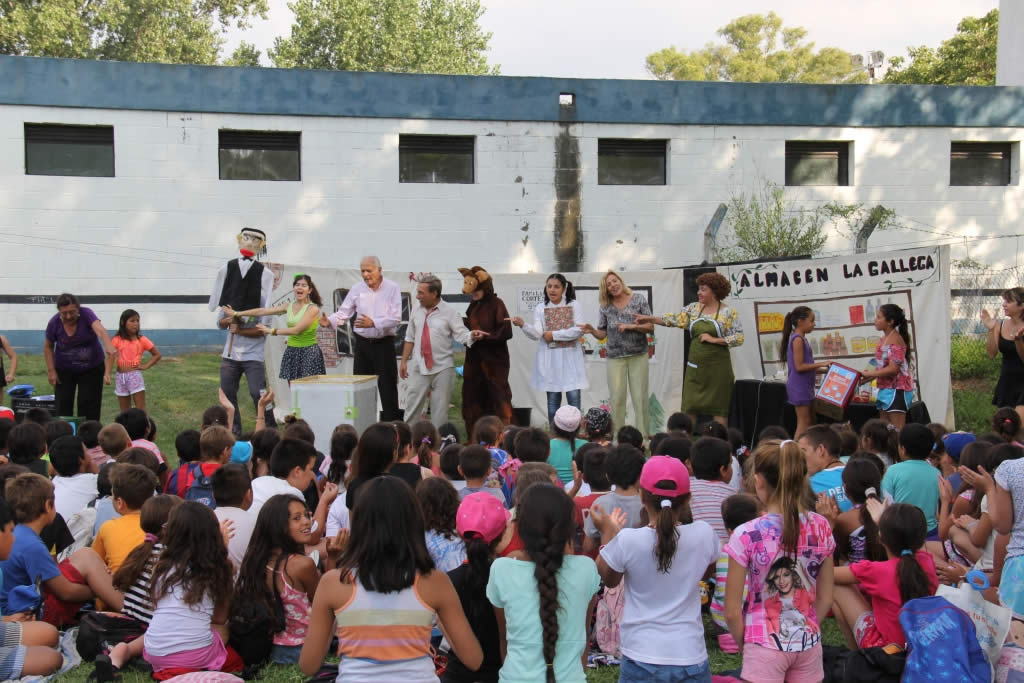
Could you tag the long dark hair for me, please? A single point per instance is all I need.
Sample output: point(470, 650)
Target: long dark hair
point(387, 547)
point(270, 535)
point(344, 440)
point(545, 521)
point(903, 528)
point(314, 293)
point(479, 556)
point(376, 451)
point(974, 454)
point(122, 329)
point(784, 469)
point(570, 291)
point(668, 519)
point(404, 438)
point(859, 475)
point(789, 324)
point(895, 315)
point(194, 557)
point(881, 438)
point(152, 518)
point(1006, 423)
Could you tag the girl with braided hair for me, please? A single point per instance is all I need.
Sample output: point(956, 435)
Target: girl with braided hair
point(543, 605)
point(892, 365)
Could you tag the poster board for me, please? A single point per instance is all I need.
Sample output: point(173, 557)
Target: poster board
point(845, 293)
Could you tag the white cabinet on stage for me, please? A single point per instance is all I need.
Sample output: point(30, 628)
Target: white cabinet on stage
point(325, 401)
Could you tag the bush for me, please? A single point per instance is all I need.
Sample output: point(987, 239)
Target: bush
point(973, 410)
point(968, 360)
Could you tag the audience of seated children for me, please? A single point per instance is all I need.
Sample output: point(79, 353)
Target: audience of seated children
point(89, 433)
point(876, 436)
point(134, 580)
point(450, 466)
point(344, 441)
point(26, 647)
point(1006, 424)
point(680, 422)
point(232, 491)
point(291, 472)
point(488, 432)
point(192, 585)
point(737, 509)
point(263, 444)
point(65, 587)
point(113, 440)
point(439, 502)
point(914, 481)
point(595, 477)
point(662, 635)
point(382, 601)
point(869, 594)
point(545, 600)
point(954, 444)
point(855, 530)
point(426, 441)
point(597, 424)
point(481, 522)
point(276, 569)
point(26, 445)
point(407, 467)
point(712, 470)
point(532, 473)
point(186, 445)
point(136, 423)
point(215, 444)
point(564, 430)
point(131, 486)
point(475, 464)
point(74, 487)
point(629, 435)
point(104, 502)
point(678, 447)
point(623, 467)
point(821, 448)
point(849, 441)
point(6, 425)
point(377, 450)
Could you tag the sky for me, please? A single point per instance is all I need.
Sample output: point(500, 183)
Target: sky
point(612, 38)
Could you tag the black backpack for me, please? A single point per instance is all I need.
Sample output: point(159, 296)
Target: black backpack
point(874, 664)
point(252, 626)
point(99, 632)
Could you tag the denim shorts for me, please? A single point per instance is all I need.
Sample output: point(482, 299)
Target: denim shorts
point(631, 671)
point(285, 654)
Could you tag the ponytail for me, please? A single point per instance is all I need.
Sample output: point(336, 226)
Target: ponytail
point(479, 556)
point(425, 439)
point(862, 481)
point(789, 323)
point(898, 318)
point(1006, 423)
point(904, 530)
point(784, 469)
point(152, 518)
point(672, 511)
point(568, 295)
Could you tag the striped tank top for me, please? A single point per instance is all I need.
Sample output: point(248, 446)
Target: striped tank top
point(385, 636)
point(136, 599)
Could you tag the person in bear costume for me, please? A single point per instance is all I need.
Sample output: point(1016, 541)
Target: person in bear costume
point(485, 389)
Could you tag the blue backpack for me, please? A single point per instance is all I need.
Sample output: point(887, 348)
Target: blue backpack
point(942, 643)
point(201, 489)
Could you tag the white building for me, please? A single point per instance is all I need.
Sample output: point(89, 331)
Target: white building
point(123, 183)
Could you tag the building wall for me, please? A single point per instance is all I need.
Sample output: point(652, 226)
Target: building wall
point(165, 223)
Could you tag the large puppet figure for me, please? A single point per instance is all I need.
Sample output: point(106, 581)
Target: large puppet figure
point(243, 283)
point(485, 389)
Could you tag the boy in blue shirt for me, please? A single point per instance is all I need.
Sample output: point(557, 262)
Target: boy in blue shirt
point(81, 577)
point(822, 447)
point(914, 480)
point(26, 647)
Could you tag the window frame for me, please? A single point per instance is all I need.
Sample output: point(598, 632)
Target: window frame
point(980, 147)
point(842, 148)
point(428, 143)
point(272, 140)
point(89, 134)
point(633, 147)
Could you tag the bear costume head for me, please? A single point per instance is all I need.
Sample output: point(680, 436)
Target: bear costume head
point(476, 279)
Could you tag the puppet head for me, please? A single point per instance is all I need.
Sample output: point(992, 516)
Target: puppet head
point(476, 278)
point(252, 242)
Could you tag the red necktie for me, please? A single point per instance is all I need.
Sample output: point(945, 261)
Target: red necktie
point(428, 354)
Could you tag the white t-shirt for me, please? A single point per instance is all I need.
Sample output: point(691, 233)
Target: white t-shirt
point(661, 622)
point(73, 493)
point(245, 522)
point(984, 562)
point(337, 515)
point(265, 488)
point(736, 483)
point(177, 627)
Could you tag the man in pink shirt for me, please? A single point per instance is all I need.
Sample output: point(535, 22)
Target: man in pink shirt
point(377, 306)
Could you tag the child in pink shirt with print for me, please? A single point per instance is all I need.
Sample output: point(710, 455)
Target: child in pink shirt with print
point(130, 345)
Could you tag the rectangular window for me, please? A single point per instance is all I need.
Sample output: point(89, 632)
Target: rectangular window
point(631, 162)
point(817, 163)
point(259, 155)
point(435, 159)
point(979, 163)
point(57, 149)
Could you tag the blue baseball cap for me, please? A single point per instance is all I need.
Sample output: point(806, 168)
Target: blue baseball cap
point(955, 442)
point(241, 452)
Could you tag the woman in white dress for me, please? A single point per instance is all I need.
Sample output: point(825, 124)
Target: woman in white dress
point(557, 327)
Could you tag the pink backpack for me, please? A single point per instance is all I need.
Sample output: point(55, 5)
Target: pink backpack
point(608, 618)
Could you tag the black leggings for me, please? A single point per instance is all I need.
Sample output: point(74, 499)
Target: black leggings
point(90, 392)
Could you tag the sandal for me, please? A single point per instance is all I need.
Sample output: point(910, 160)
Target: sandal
point(105, 670)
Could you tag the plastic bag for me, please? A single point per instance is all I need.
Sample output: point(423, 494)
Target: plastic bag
point(991, 621)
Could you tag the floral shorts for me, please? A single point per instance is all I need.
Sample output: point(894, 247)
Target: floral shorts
point(128, 383)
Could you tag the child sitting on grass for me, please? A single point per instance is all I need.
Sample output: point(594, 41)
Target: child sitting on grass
point(131, 486)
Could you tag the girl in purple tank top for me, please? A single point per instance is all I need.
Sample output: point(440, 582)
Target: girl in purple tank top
point(800, 361)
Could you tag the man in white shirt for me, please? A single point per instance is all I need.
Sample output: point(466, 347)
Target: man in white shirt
point(433, 326)
point(377, 305)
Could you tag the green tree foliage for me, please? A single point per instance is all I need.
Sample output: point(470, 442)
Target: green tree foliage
point(246, 54)
point(426, 36)
point(968, 58)
point(764, 225)
point(757, 48)
point(169, 31)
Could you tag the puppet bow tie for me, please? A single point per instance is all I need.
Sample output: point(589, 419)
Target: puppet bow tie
point(247, 258)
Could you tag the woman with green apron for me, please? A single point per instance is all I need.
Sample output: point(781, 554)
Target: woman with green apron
point(302, 357)
point(714, 329)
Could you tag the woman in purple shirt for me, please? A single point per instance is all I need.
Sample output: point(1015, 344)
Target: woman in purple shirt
point(796, 351)
point(78, 355)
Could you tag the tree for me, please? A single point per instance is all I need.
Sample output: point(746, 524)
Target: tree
point(764, 225)
point(968, 58)
point(246, 54)
point(757, 49)
point(427, 36)
point(168, 31)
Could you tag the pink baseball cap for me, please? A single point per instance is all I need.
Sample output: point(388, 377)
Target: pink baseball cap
point(665, 468)
point(483, 514)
